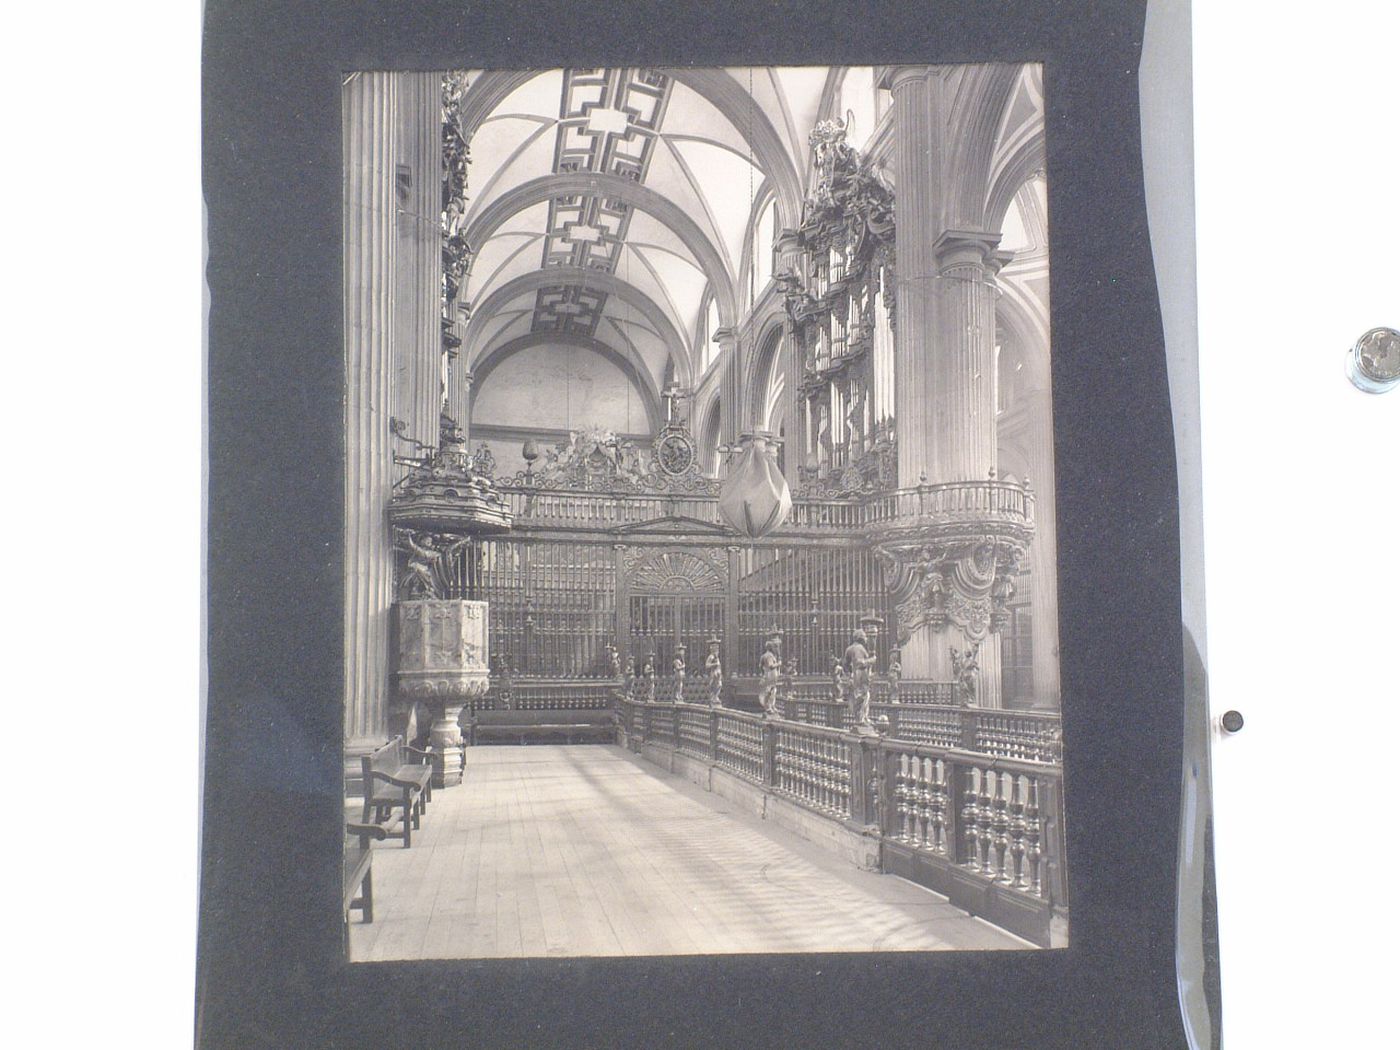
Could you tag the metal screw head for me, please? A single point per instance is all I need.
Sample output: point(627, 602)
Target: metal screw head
point(1374, 362)
point(1232, 721)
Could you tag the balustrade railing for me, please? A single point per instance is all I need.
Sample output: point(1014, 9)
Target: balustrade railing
point(813, 766)
point(945, 502)
point(953, 501)
point(739, 745)
point(693, 732)
point(983, 828)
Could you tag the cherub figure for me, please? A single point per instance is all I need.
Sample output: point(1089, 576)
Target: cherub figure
point(678, 674)
point(715, 671)
point(895, 672)
point(649, 679)
point(769, 667)
point(839, 682)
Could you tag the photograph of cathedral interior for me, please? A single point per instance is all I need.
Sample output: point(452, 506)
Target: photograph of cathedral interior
point(700, 581)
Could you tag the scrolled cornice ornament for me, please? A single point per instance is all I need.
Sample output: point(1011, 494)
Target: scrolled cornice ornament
point(594, 459)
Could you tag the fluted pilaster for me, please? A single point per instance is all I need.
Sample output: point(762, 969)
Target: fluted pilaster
point(418, 267)
point(369, 247)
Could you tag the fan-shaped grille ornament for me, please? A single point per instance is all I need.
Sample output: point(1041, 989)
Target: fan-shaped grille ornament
point(673, 571)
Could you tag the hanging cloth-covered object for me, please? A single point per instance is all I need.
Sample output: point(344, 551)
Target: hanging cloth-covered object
point(754, 498)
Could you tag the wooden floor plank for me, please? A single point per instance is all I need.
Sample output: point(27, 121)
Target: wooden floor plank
point(588, 851)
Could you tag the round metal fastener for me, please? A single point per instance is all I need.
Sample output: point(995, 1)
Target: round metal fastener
point(1373, 365)
point(1232, 721)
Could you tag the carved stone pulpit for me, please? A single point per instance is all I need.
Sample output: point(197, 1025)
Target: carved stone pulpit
point(443, 646)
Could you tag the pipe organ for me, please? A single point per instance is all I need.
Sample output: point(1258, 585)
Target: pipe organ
point(840, 304)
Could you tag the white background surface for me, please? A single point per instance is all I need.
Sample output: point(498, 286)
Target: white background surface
point(1299, 235)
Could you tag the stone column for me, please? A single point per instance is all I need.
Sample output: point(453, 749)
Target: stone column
point(918, 149)
point(945, 338)
point(369, 240)
point(962, 394)
point(731, 406)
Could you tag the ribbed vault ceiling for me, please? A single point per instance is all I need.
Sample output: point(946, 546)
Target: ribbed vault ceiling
point(614, 204)
point(672, 245)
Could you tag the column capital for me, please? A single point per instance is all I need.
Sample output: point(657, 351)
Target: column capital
point(971, 246)
point(725, 335)
point(894, 77)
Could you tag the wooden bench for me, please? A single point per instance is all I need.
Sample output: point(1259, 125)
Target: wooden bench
point(357, 889)
point(521, 726)
point(393, 782)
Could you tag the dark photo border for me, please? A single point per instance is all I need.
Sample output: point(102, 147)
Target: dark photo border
point(271, 972)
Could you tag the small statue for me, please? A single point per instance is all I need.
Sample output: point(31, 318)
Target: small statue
point(629, 679)
point(965, 674)
point(484, 461)
point(678, 674)
point(769, 665)
point(649, 679)
point(715, 672)
point(614, 665)
point(895, 673)
point(859, 662)
point(426, 553)
point(839, 683)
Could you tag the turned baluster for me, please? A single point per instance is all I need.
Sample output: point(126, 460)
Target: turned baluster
point(1033, 851)
point(1018, 831)
point(903, 785)
point(921, 798)
point(1001, 824)
point(824, 783)
point(970, 816)
point(920, 804)
point(937, 775)
point(986, 835)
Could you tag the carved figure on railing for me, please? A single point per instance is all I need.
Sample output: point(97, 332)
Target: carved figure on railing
point(484, 461)
point(840, 685)
point(649, 679)
point(769, 667)
point(427, 551)
point(629, 679)
point(678, 674)
point(894, 673)
point(858, 662)
point(614, 664)
point(715, 671)
point(965, 673)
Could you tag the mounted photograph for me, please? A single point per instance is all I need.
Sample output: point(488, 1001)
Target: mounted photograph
point(700, 550)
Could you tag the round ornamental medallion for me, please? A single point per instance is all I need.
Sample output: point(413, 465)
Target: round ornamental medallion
point(675, 453)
